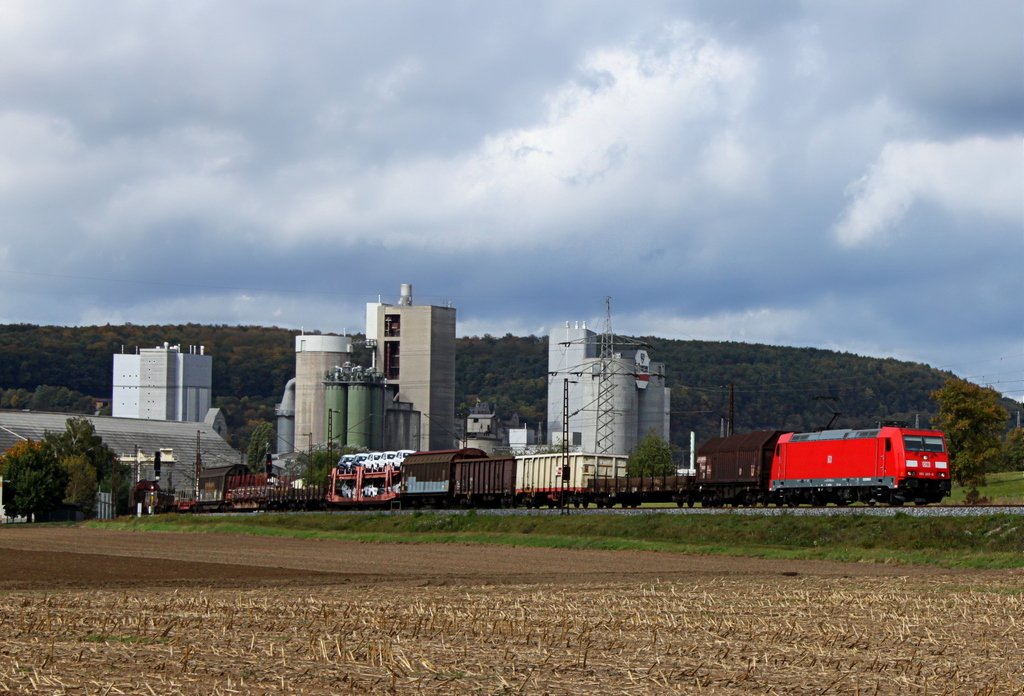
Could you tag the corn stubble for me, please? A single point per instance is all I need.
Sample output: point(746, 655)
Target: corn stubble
point(712, 636)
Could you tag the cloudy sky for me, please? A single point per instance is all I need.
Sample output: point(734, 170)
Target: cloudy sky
point(846, 175)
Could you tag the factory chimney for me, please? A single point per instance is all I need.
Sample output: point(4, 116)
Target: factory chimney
point(406, 299)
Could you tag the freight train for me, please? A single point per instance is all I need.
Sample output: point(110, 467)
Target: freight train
point(890, 465)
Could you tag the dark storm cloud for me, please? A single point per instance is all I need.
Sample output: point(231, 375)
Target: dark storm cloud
point(842, 174)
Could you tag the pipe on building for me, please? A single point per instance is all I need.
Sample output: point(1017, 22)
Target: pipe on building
point(286, 419)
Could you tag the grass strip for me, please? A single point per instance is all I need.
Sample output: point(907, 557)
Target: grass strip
point(993, 541)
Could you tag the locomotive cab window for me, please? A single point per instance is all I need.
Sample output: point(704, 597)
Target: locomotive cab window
point(888, 445)
point(918, 443)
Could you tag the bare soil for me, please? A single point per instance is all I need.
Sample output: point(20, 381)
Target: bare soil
point(89, 611)
point(47, 557)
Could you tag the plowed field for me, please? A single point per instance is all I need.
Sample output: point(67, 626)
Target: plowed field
point(108, 612)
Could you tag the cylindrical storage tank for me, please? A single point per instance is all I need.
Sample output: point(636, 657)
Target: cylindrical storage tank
point(360, 415)
point(336, 410)
point(376, 417)
point(624, 404)
point(286, 419)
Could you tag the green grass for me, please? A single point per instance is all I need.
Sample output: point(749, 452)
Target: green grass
point(991, 541)
point(1006, 488)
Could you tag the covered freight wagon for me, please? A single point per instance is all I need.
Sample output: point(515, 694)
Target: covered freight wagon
point(736, 469)
point(213, 485)
point(428, 478)
point(487, 482)
point(541, 479)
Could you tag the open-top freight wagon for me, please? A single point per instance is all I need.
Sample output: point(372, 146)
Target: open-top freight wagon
point(549, 479)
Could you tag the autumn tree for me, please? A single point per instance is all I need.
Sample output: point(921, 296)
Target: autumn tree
point(261, 443)
point(79, 439)
point(37, 479)
point(973, 421)
point(82, 483)
point(1012, 458)
point(651, 457)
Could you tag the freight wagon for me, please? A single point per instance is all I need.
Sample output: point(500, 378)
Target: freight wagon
point(735, 469)
point(544, 479)
point(888, 465)
point(262, 492)
point(465, 477)
point(362, 481)
point(636, 490)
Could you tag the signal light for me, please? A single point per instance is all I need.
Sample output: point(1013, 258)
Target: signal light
point(156, 466)
point(270, 465)
point(566, 472)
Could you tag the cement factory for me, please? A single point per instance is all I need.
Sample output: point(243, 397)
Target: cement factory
point(604, 395)
point(604, 392)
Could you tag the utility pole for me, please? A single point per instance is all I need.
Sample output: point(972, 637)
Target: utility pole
point(565, 443)
point(732, 406)
point(605, 431)
point(114, 481)
point(330, 436)
point(199, 463)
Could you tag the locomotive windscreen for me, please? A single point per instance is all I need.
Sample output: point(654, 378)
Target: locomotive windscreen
point(922, 443)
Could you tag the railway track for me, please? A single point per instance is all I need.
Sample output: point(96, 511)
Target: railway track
point(908, 511)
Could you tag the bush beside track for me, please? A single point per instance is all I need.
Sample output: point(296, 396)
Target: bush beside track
point(984, 541)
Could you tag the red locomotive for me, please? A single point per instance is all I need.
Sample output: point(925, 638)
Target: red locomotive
point(880, 465)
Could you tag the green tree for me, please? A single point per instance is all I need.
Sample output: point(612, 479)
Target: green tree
point(651, 457)
point(1012, 457)
point(317, 470)
point(38, 480)
point(80, 439)
point(82, 483)
point(973, 421)
point(261, 443)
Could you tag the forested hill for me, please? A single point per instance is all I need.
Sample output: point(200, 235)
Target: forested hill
point(775, 386)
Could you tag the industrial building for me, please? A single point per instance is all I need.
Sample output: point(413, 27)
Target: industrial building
point(612, 391)
point(414, 348)
point(163, 383)
point(315, 355)
point(135, 441)
point(404, 400)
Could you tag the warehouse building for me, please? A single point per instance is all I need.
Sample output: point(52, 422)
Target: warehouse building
point(135, 441)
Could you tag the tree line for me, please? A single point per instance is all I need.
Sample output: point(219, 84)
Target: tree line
point(774, 387)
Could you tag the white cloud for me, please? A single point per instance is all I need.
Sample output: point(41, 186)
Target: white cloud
point(974, 176)
point(608, 144)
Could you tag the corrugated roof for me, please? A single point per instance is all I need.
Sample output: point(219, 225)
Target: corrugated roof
point(123, 435)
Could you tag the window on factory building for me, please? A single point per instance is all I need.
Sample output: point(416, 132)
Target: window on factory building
point(392, 325)
point(391, 359)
